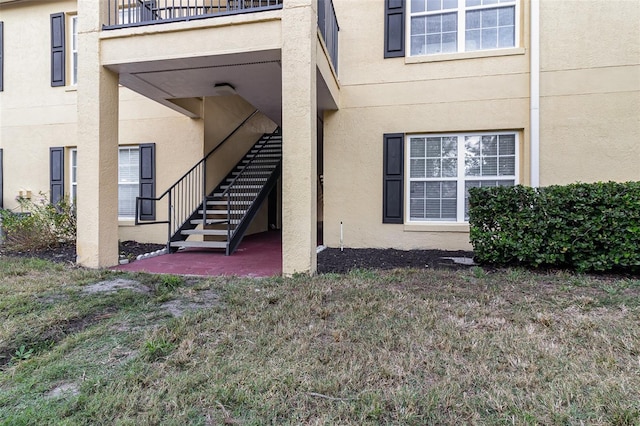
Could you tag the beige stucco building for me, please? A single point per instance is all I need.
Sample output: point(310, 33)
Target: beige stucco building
point(366, 119)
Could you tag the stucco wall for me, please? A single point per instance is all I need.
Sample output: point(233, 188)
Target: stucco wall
point(35, 116)
point(589, 91)
point(412, 95)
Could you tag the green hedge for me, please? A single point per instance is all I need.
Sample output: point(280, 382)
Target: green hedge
point(589, 227)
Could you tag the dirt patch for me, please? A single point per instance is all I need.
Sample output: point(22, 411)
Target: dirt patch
point(111, 286)
point(63, 389)
point(334, 260)
point(201, 300)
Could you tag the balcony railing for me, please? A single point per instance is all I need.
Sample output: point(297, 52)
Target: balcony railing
point(132, 13)
point(328, 24)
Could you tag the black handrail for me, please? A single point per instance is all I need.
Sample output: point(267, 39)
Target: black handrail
point(238, 177)
point(195, 180)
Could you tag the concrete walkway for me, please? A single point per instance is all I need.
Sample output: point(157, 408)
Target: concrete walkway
point(259, 255)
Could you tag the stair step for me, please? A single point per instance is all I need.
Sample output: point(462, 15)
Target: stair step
point(210, 222)
point(221, 211)
point(237, 194)
point(199, 244)
point(204, 232)
point(224, 202)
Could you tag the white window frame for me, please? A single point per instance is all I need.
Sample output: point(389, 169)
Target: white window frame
point(128, 182)
point(461, 177)
point(73, 175)
point(73, 35)
point(461, 10)
point(73, 183)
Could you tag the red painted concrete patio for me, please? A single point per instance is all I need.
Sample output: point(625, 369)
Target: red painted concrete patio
point(259, 255)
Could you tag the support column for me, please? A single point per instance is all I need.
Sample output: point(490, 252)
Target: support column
point(97, 203)
point(299, 146)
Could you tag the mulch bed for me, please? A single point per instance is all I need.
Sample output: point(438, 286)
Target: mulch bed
point(329, 260)
point(335, 260)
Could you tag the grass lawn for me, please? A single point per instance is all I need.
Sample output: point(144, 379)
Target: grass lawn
point(398, 347)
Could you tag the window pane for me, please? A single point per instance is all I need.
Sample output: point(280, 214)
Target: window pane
point(433, 168)
point(417, 189)
point(490, 166)
point(418, 26)
point(433, 5)
point(472, 40)
point(471, 3)
point(506, 16)
point(473, 20)
point(489, 18)
point(450, 167)
point(417, 147)
point(450, 4)
point(418, 169)
point(434, 44)
point(506, 37)
point(507, 145)
point(472, 166)
point(433, 209)
point(434, 24)
point(418, 45)
point(433, 189)
point(434, 147)
point(489, 145)
point(449, 208)
point(450, 147)
point(127, 199)
point(489, 38)
point(472, 145)
point(449, 42)
point(450, 22)
point(507, 166)
point(417, 5)
point(417, 209)
point(449, 189)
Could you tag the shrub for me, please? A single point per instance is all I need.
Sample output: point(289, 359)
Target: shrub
point(43, 225)
point(589, 227)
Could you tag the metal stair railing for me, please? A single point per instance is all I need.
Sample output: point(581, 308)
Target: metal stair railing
point(187, 194)
point(237, 196)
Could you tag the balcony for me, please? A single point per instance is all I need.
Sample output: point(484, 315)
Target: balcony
point(133, 13)
point(137, 13)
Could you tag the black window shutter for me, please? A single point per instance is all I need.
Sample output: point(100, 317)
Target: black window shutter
point(57, 50)
point(1, 182)
point(393, 178)
point(1, 60)
point(394, 28)
point(56, 174)
point(148, 180)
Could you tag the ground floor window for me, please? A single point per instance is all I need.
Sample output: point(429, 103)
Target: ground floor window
point(442, 168)
point(128, 179)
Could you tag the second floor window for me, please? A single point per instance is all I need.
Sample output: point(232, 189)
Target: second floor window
point(450, 26)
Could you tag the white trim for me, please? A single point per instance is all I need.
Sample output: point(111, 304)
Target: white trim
point(74, 49)
point(73, 183)
point(535, 93)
